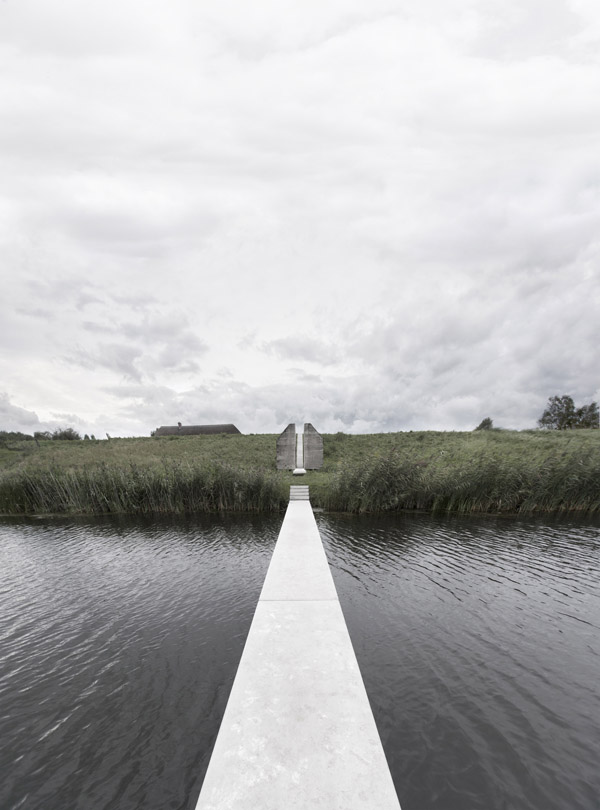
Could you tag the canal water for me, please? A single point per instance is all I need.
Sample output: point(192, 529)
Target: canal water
point(478, 640)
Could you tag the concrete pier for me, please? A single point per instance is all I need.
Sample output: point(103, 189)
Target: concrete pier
point(298, 731)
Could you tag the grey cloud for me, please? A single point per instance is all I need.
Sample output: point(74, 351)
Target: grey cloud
point(304, 377)
point(133, 362)
point(538, 27)
point(302, 347)
point(426, 241)
point(99, 328)
point(13, 417)
point(123, 232)
point(164, 327)
point(141, 300)
point(69, 419)
point(37, 312)
point(361, 403)
point(116, 232)
point(115, 357)
point(169, 329)
point(159, 342)
point(145, 396)
point(177, 357)
point(65, 291)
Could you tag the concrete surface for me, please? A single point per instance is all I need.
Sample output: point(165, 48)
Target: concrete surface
point(299, 492)
point(313, 448)
point(299, 470)
point(286, 448)
point(300, 450)
point(298, 731)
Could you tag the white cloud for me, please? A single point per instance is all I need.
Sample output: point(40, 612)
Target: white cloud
point(372, 218)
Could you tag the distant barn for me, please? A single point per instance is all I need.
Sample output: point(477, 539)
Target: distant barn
point(194, 430)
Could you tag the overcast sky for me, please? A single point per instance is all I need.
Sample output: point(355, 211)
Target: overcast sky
point(371, 216)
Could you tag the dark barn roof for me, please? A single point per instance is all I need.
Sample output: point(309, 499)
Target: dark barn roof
point(194, 430)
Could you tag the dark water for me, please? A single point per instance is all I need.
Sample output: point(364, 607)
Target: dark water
point(479, 643)
point(119, 648)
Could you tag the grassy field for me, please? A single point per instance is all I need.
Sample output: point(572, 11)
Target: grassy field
point(492, 471)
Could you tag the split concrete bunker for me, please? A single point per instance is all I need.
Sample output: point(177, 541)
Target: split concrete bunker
point(300, 450)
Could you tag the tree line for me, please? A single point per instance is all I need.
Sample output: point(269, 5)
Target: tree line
point(61, 434)
point(560, 414)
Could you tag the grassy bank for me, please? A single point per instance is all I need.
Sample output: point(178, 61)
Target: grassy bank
point(482, 471)
point(168, 475)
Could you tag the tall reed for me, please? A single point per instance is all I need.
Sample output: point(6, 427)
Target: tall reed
point(501, 472)
point(485, 484)
point(174, 488)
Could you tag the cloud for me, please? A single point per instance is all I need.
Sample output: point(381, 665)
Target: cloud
point(69, 419)
point(301, 347)
point(374, 218)
point(13, 417)
point(112, 356)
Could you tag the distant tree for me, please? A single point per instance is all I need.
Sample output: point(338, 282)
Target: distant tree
point(561, 414)
point(588, 416)
point(15, 435)
point(66, 434)
point(485, 424)
point(42, 434)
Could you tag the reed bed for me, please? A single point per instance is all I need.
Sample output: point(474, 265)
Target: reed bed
point(492, 485)
point(493, 471)
point(173, 488)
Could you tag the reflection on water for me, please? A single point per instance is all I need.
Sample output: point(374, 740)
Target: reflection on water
point(479, 643)
point(478, 640)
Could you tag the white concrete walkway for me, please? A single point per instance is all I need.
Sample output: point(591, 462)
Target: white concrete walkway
point(299, 449)
point(299, 468)
point(298, 731)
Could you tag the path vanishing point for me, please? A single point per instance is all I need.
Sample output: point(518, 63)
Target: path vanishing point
point(298, 730)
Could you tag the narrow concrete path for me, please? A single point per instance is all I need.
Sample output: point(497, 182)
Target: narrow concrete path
point(300, 450)
point(299, 468)
point(298, 730)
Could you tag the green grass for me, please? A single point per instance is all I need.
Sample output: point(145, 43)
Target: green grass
point(482, 471)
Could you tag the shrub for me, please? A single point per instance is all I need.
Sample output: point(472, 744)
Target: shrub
point(485, 424)
point(63, 434)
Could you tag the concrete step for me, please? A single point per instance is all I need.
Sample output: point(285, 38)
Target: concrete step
point(299, 493)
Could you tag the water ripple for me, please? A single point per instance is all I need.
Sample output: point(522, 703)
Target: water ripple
point(478, 641)
point(120, 644)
